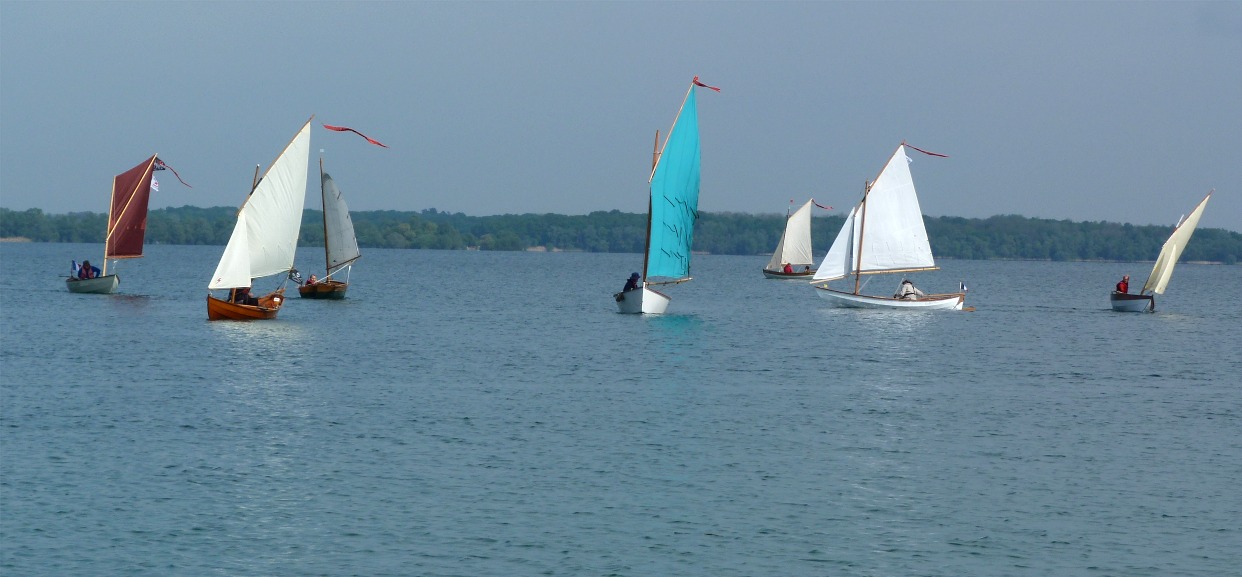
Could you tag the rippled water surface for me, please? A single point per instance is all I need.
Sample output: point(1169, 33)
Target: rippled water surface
point(467, 413)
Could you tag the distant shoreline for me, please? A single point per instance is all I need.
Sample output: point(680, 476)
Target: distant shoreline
point(15, 239)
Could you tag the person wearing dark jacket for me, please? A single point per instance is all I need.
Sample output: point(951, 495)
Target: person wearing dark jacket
point(631, 284)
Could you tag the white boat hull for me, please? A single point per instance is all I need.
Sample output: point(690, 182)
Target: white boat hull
point(951, 301)
point(642, 301)
point(103, 285)
point(1131, 303)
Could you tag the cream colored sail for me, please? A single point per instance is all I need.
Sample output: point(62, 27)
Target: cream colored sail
point(1172, 250)
point(271, 219)
point(795, 245)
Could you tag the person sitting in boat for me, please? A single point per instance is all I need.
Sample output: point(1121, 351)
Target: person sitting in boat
point(242, 296)
point(312, 280)
point(1123, 285)
point(788, 268)
point(806, 268)
point(907, 291)
point(87, 271)
point(631, 284)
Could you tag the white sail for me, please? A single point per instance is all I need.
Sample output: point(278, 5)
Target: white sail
point(340, 243)
point(234, 267)
point(896, 239)
point(271, 219)
point(795, 245)
point(1172, 250)
point(839, 261)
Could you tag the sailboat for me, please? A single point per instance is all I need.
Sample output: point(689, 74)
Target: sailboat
point(794, 248)
point(672, 208)
point(340, 246)
point(883, 234)
point(1163, 269)
point(265, 237)
point(127, 226)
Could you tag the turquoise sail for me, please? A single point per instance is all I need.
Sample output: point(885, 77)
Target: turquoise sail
point(675, 196)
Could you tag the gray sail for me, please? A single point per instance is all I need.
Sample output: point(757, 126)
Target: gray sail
point(340, 243)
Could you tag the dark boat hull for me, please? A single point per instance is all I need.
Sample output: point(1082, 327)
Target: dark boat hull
point(329, 289)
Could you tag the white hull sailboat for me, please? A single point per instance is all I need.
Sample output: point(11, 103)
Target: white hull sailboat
point(794, 248)
point(340, 246)
point(127, 226)
point(672, 208)
point(1162, 271)
point(265, 238)
point(883, 234)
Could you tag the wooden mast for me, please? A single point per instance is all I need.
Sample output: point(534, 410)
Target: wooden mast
point(655, 159)
point(862, 228)
point(323, 198)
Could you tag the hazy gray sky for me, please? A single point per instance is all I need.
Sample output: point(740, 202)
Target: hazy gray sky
point(1123, 112)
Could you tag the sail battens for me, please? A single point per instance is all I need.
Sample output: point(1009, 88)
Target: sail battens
point(675, 180)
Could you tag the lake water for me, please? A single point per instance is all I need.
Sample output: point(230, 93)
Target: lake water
point(474, 413)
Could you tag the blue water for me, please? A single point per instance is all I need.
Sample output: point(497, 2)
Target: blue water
point(473, 413)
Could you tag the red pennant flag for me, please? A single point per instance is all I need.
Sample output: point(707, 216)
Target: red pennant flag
point(346, 129)
point(159, 165)
point(822, 206)
point(926, 152)
point(697, 83)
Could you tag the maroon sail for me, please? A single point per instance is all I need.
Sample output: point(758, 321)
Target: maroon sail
point(127, 219)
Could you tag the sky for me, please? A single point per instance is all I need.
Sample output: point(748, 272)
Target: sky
point(1095, 111)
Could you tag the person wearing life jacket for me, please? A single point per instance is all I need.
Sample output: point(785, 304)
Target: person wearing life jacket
point(87, 271)
point(907, 291)
point(1123, 285)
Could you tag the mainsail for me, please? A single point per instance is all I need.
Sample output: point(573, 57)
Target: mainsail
point(127, 216)
point(266, 235)
point(795, 244)
point(884, 233)
point(1172, 250)
point(340, 244)
point(675, 196)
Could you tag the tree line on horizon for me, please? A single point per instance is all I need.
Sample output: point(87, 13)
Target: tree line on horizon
point(1009, 237)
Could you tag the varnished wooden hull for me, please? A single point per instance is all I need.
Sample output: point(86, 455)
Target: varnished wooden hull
point(1131, 303)
point(329, 289)
point(102, 285)
point(802, 275)
point(269, 305)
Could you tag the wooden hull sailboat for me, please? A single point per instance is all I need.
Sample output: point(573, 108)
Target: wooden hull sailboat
point(127, 225)
point(265, 237)
point(328, 289)
point(267, 307)
point(101, 285)
point(884, 234)
point(672, 208)
point(340, 246)
point(794, 248)
point(1162, 271)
